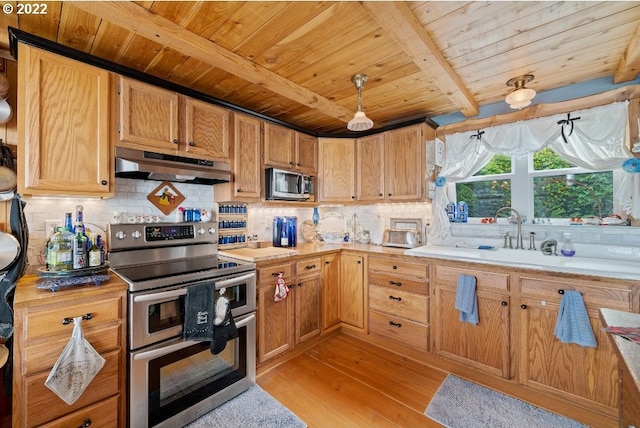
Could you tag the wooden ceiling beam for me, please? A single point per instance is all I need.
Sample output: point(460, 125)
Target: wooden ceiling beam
point(629, 66)
point(402, 25)
point(154, 27)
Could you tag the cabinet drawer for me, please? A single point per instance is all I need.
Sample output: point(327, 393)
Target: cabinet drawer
point(42, 405)
point(408, 332)
point(49, 322)
point(399, 267)
point(399, 303)
point(594, 295)
point(44, 355)
point(485, 281)
point(269, 274)
point(308, 266)
point(396, 282)
point(103, 414)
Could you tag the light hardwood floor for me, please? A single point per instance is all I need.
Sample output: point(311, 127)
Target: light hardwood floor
point(345, 382)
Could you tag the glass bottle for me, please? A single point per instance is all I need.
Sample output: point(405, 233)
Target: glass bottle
point(316, 216)
point(79, 224)
point(79, 251)
point(94, 253)
point(567, 248)
point(100, 245)
point(67, 222)
point(60, 251)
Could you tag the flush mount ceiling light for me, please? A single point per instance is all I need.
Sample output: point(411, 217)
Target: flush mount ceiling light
point(360, 121)
point(521, 96)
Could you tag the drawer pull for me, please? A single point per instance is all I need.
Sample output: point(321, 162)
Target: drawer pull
point(310, 267)
point(397, 284)
point(523, 306)
point(85, 317)
point(395, 298)
point(395, 324)
point(275, 274)
point(86, 423)
point(561, 291)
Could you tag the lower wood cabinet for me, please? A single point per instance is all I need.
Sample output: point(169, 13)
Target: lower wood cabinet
point(41, 335)
point(282, 325)
point(487, 345)
point(352, 290)
point(587, 375)
point(276, 329)
point(399, 300)
point(330, 279)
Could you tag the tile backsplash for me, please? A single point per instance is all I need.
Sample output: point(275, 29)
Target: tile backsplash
point(131, 198)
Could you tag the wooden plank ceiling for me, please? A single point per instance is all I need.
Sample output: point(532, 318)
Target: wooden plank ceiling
point(293, 61)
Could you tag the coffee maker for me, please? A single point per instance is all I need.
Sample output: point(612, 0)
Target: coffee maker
point(285, 231)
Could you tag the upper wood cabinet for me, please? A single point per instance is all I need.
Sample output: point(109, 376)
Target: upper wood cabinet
point(370, 168)
point(336, 170)
point(288, 149)
point(152, 118)
point(404, 164)
point(247, 165)
point(63, 126)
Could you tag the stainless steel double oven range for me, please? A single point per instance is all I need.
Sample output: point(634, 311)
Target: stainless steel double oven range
point(171, 380)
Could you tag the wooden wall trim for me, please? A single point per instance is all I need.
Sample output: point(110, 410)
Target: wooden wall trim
point(541, 110)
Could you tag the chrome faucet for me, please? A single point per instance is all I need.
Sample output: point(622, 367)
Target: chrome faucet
point(518, 220)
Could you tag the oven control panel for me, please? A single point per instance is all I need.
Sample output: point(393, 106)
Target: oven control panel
point(130, 236)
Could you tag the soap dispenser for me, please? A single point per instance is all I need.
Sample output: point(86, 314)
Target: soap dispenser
point(567, 248)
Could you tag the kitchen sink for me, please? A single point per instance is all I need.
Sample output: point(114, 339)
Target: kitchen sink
point(607, 267)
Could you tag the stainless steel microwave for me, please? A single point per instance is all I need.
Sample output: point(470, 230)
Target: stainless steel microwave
point(288, 185)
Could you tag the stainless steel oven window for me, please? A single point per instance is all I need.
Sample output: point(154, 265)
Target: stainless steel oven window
point(177, 381)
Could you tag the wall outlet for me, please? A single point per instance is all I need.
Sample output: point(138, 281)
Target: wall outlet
point(268, 222)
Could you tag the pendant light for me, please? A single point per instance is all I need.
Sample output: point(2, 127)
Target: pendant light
point(521, 96)
point(360, 121)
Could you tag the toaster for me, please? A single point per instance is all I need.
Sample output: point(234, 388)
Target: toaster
point(403, 238)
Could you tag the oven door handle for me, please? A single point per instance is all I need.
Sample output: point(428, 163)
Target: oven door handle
point(160, 296)
point(157, 353)
point(227, 282)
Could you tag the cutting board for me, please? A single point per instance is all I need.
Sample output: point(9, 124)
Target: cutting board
point(259, 254)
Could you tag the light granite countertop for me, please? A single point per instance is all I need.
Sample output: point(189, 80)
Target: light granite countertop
point(628, 351)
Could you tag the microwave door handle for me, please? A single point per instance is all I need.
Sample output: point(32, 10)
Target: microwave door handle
point(238, 280)
point(160, 296)
point(300, 188)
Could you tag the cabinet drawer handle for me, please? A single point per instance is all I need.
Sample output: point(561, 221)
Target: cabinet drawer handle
point(192, 144)
point(561, 291)
point(275, 274)
point(395, 298)
point(86, 423)
point(523, 306)
point(85, 317)
point(395, 324)
point(310, 267)
point(504, 303)
point(176, 142)
point(397, 284)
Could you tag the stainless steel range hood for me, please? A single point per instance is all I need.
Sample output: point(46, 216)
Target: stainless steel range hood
point(146, 165)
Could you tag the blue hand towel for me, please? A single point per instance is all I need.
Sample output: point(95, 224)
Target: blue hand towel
point(573, 325)
point(466, 299)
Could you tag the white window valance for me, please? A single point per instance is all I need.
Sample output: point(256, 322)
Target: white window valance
point(595, 139)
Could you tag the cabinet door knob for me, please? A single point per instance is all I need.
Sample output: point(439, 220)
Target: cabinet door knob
point(394, 267)
point(176, 142)
point(359, 262)
point(504, 303)
point(86, 423)
point(389, 194)
point(239, 190)
point(104, 182)
point(191, 143)
point(380, 194)
point(327, 262)
point(561, 291)
point(523, 306)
